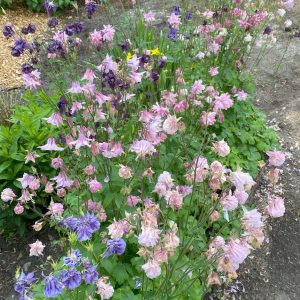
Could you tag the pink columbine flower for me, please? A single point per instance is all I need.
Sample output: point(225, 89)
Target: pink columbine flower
point(133, 63)
point(273, 175)
point(214, 48)
point(125, 172)
point(252, 220)
point(174, 199)
point(242, 196)
point(149, 17)
point(51, 146)
point(61, 193)
point(108, 33)
point(76, 106)
point(75, 88)
point(229, 202)
point(117, 229)
point(89, 170)
point(142, 148)
point(241, 95)
point(32, 80)
point(96, 38)
point(223, 102)
point(34, 184)
point(133, 200)
point(56, 208)
point(276, 158)
point(174, 21)
point(149, 236)
point(171, 125)
point(213, 71)
point(221, 148)
point(89, 75)
point(242, 181)
point(7, 195)
point(237, 251)
point(26, 180)
point(94, 186)
point(30, 156)
point(62, 180)
point(109, 65)
point(276, 207)
point(55, 119)
point(81, 141)
point(198, 87)
point(207, 118)
point(19, 209)
point(105, 290)
point(171, 240)
point(111, 149)
point(152, 269)
point(49, 188)
point(57, 162)
point(135, 77)
point(36, 249)
point(214, 216)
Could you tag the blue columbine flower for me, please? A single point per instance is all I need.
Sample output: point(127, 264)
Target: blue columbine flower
point(53, 287)
point(90, 8)
point(89, 274)
point(24, 282)
point(8, 31)
point(189, 15)
point(116, 247)
point(73, 259)
point(52, 23)
point(86, 226)
point(49, 7)
point(71, 278)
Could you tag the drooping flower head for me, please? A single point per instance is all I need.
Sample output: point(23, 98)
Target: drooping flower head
point(53, 287)
point(116, 247)
point(86, 226)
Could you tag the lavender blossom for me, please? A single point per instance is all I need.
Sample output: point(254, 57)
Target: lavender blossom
point(90, 275)
point(86, 226)
point(74, 259)
point(116, 247)
point(53, 287)
point(24, 282)
point(71, 278)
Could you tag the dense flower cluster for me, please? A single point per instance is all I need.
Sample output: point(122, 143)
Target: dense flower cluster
point(136, 146)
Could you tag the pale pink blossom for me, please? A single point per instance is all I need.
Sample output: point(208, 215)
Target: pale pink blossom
point(89, 170)
point(255, 237)
point(30, 156)
point(152, 269)
point(111, 149)
point(214, 48)
point(36, 248)
point(61, 193)
point(171, 125)
point(149, 17)
point(198, 87)
point(7, 195)
point(89, 75)
point(56, 208)
point(133, 63)
point(96, 38)
point(223, 102)
point(108, 33)
point(213, 71)
point(276, 158)
point(216, 245)
point(76, 106)
point(81, 141)
point(26, 180)
point(49, 187)
point(94, 185)
point(160, 254)
point(229, 202)
point(57, 162)
point(142, 148)
point(32, 80)
point(125, 172)
point(51, 146)
point(214, 216)
point(276, 207)
point(133, 200)
point(174, 21)
point(237, 251)
point(104, 288)
point(241, 95)
point(207, 118)
point(109, 65)
point(117, 229)
point(34, 184)
point(149, 236)
point(174, 199)
point(135, 77)
point(242, 196)
point(288, 4)
point(62, 180)
point(171, 241)
point(252, 220)
point(221, 148)
point(19, 209)
point(75, 88)
point(242, 181)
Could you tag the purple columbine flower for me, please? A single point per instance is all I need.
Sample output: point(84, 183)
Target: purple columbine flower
point(144, 59)
point(74, 259)
point(8, 31)
point(24, 282)
point(173, 33)
point(154, 76)
point(19, 47)
point(161, 63)
point(189, 15)
point(53, 287)
point(176, 10)
point(87, 225)
point(49, 7)
point(268, 30)
point(297, 34)
point(70, 223)
point(56, 47)
point(90, 8)
point(89, 274)
point(31, 28)
point(27, 68)
point(24, 30)
point(71, 278)
point(116, 247)
point(125, 46)
point(52, 23)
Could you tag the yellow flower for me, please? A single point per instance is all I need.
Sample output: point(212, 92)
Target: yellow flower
point(129, 55)
point(155, 51)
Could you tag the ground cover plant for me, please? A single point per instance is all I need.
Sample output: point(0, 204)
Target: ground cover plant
point(152, 146)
